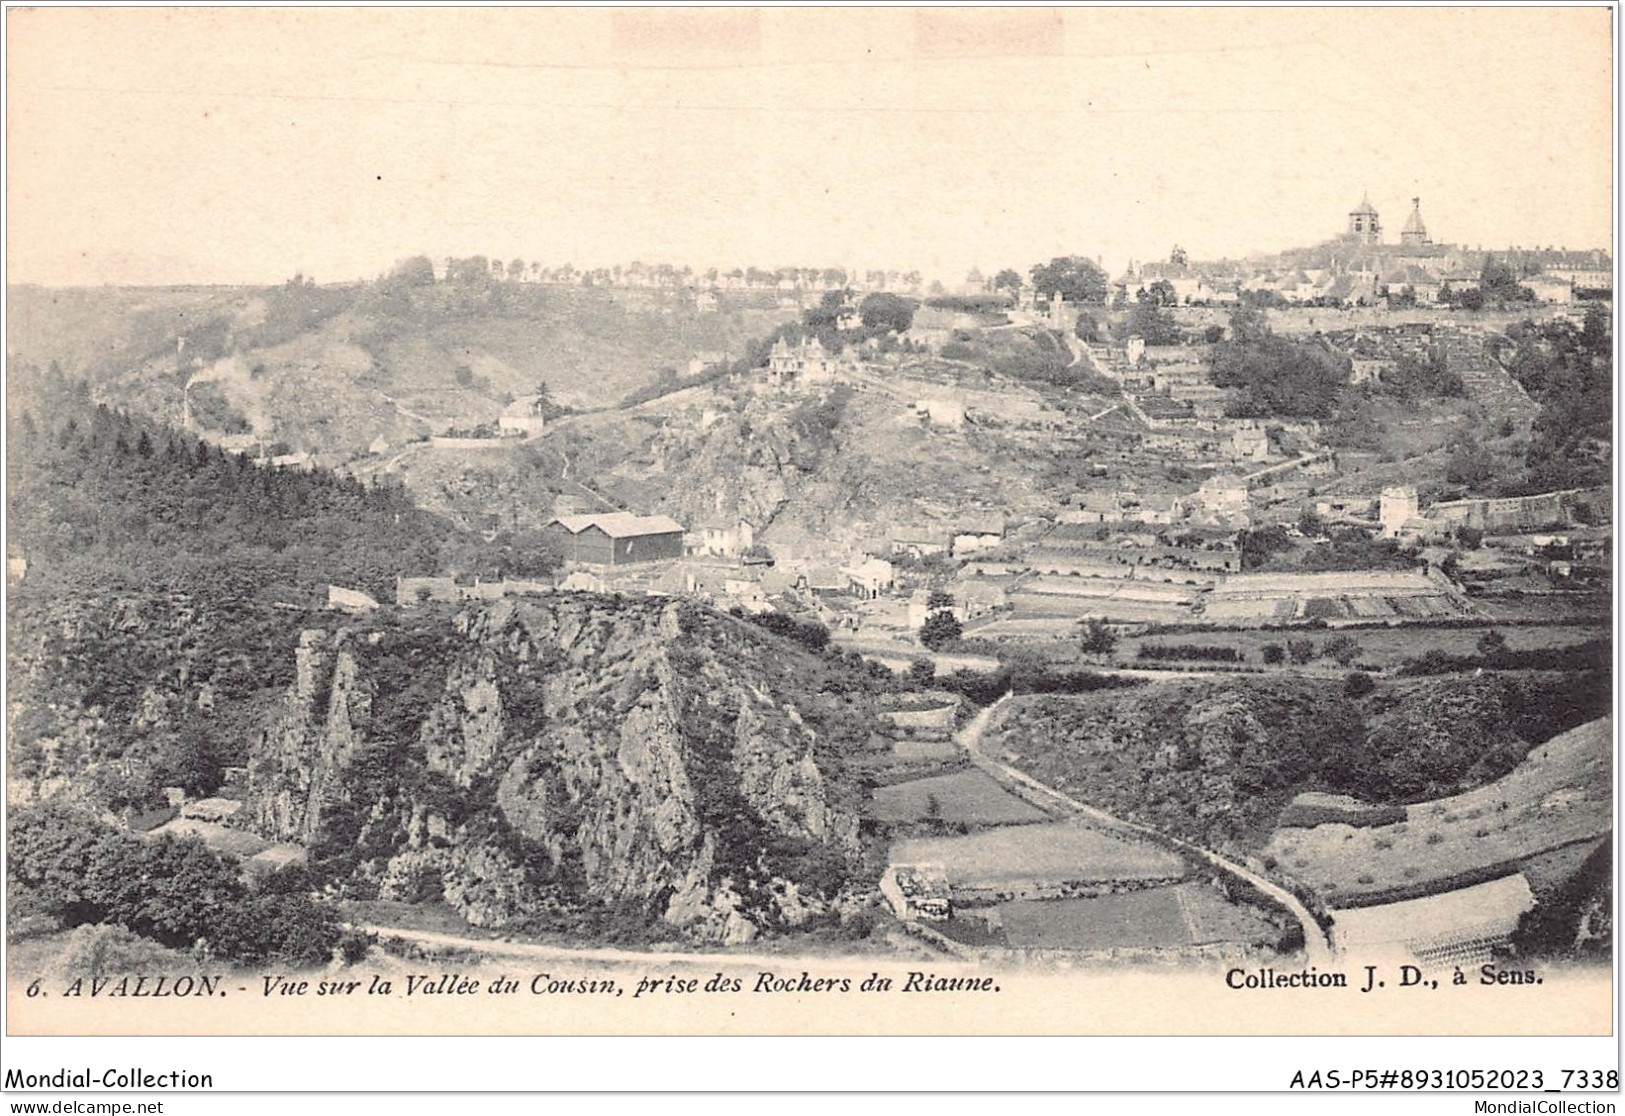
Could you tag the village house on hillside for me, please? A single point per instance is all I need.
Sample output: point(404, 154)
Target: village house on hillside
point(522, 418)
point(617, 538)
point(1224, 494)
point(1399, 511)
point(1093, 507)
point(721, 537)
point(1249, 442)
point(804, 365)
point(1157, 508)
point(918, 541)
point(870, 578)
point(972, 533)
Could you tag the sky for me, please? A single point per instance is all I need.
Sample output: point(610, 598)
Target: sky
point(241, 145)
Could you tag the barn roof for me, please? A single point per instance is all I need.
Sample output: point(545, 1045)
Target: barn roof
point(621, 525)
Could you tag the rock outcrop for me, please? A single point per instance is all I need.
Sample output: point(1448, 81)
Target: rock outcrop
point(575, 754)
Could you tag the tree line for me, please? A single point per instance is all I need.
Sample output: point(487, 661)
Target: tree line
point(65, 863)
point(1569, 371)
point(103, 499)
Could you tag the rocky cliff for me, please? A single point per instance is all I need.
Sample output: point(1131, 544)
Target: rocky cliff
point(545, 761)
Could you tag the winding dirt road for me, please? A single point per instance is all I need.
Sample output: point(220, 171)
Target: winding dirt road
point(1316, 947)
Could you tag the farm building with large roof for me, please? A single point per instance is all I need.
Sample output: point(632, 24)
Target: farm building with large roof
point(617, 538)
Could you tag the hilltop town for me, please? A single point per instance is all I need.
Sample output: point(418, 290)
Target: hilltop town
point(932, 558)
point(1060, 449)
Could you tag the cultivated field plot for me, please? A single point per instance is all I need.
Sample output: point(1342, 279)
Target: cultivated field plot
point(1056, 853)
point(1559, 795)
point(1147, 919)
point(1551, 607)
point(1382, 647)
point(1211, 918)
point(1187, 914)
point(964, 796)
point(1361, 596)
point(924, 751)
point(1069, 607)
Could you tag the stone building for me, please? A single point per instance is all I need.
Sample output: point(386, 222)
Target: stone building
point(808, 363)
point(1415, 233)
point(1398, 507)
point(1364, 225)
point(522, 418)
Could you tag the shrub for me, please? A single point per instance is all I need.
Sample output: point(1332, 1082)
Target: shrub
point(1274, 653)
point(1590, 655)
point(940, 630)
point(1301, 651)
point(809, 633)
point(1358, 684)
point(102, 950)
point(1342, 648)
point(1098, 638)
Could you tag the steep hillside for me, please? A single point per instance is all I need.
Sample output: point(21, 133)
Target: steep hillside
point(97, 498)
point(1215, 761)
point(328, 370)
point(834, 464)
point(115, 695)
point(336, 370)
point(1559, 797)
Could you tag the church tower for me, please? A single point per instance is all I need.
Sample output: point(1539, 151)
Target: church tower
point(1415, 233)
point(1364, 227)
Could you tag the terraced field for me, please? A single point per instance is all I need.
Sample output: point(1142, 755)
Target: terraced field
point(924, 751)
point(1382, 647)
point(1061, 852)
point(969, 796)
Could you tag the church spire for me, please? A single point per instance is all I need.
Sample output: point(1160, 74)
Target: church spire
point(1415, 233)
